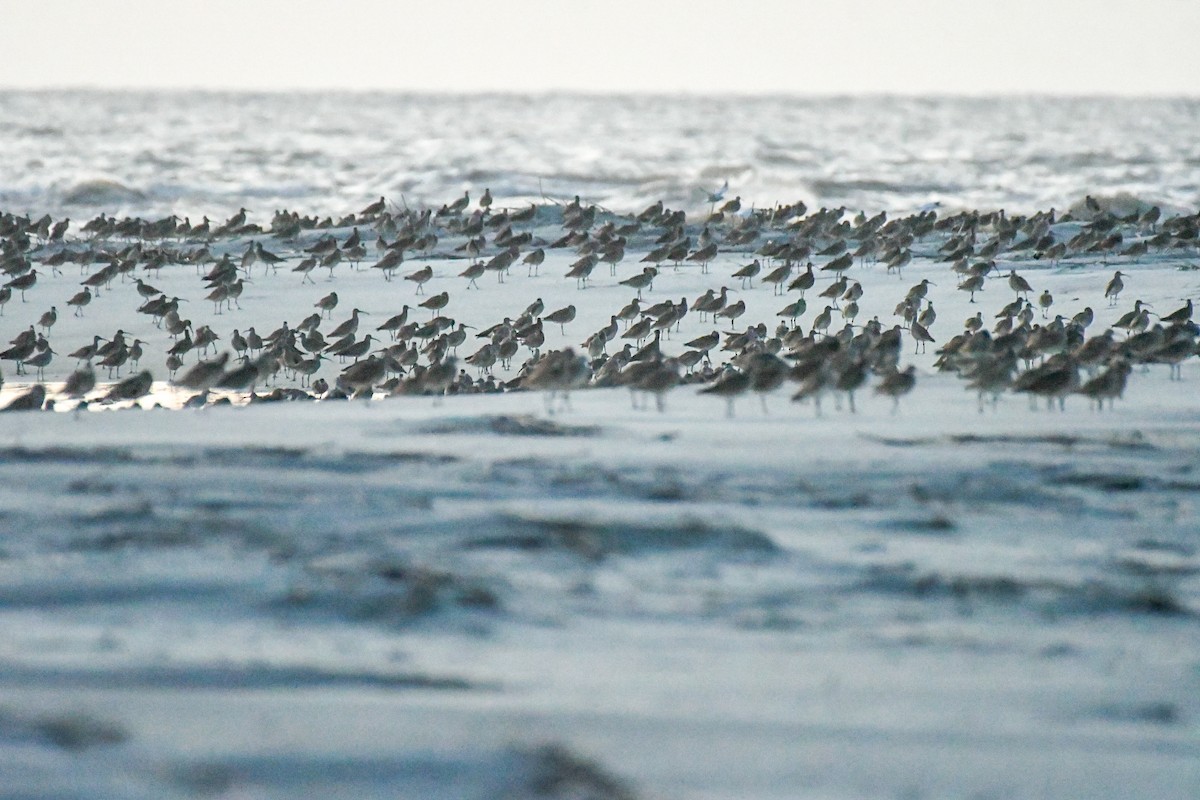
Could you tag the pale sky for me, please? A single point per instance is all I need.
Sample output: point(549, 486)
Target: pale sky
point(763, 46)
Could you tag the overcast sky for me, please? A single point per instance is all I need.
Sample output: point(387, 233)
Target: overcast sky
point(791, 46)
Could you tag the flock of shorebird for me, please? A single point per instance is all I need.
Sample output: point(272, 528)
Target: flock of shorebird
point(792, 250)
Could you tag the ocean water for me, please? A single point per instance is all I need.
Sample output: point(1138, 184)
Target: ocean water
point(196, 153)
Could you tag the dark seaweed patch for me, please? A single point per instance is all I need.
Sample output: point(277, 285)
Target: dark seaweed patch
point(509, 425)
point(1101, 482)
point(598, 540)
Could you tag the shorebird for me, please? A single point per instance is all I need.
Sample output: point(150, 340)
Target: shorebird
point(40, 360)
point(703, 256)
point(747, 273)
point(204, 374)
point(921, 335)
point(436, 303)
point(327, 304)
point(655, 377)
point(349, 327)
point(305, 267)
point(395, 323)
point(241, 378)
point(1108, 385)
point(356, 350)
point(390, 262)
point(420, 277)
point(972, 284)
point(79, 383)
point(582, 268)
point(31, 400)
point(502, 261)
point(919, 292)
point(767, 373)
point(87, 352)
point(1180, 315)
point(804, 281)
point(835, 290)
point(218, 297)
point(897, 384)
point(1045, 301)
point(822, 321)
point(360, 377)
point(642, 281)
point(1134, 321)
point(1018, 284)
point(927, 316)
point(473, 272)
point(483, 358)
point(612, 254)
point(729, 384)
point(639, 330)
point(839, 264)
point(558, 371)
point(131, 388)
point(268, 258)
point(79, 300)
point(238, 343)
point(1113, 290)
point(22, 348)
point(47, 320)
point(732, 311)
point(459, 205)
point(332, 260)
point(561, 317)
point(534, 260)
point(777, 277)
point(794, 311)
point(1174, 351)
point(1055, 379)
point(534, 309)
point(374, 209)
point(23, 282)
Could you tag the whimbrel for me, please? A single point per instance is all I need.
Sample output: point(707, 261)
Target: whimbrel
point(897, 384)
point(561, 317)
point(1113, 290)
point(729, 384)
point(420, 277)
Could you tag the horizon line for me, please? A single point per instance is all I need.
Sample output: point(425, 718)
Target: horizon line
point(601, 93)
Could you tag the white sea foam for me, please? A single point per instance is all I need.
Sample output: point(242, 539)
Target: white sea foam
point(209, 153)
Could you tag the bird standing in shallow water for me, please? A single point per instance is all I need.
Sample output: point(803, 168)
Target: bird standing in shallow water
point(32, 400)
point(1113, 290)
point(327, 304)
point(131, 388)
point(897, 384)
point(79, 300)
point(729, 384)
point(1045, 301)
point(561, 317)
point(921, 335)
point(1018, 284)
point(420, 277)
